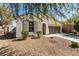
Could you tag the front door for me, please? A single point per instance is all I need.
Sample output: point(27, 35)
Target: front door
point(44, 28)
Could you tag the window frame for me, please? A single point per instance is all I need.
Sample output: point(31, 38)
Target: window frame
point(31, 26)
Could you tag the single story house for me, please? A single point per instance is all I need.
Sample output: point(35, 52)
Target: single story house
point(37, 22)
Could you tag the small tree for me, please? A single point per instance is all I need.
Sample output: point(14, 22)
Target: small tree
point(76, 26)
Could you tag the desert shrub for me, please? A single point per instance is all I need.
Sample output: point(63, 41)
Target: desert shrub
point(39, 34)
point(74, 45)
point(74, 31)
point(25, 34)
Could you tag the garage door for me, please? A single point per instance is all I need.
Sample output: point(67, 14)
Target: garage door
point(54, 29)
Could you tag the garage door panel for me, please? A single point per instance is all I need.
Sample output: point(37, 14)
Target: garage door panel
point(54, 29)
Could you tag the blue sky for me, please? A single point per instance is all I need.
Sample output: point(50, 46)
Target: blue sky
point(14, 23)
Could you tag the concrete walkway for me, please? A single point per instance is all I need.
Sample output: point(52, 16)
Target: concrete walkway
point(61, 36)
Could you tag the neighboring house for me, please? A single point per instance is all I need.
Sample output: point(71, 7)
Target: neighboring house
point(37, 22)
point(1, 30)
point(8, 28)
point(5, 29)
point(9, 31)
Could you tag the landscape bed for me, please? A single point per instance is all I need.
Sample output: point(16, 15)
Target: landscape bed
point(37, 47)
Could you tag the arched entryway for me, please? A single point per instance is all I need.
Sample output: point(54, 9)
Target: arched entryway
point(44, 28)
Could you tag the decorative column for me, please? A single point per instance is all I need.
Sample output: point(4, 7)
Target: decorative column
point(47, 29)
point(18, 28)
point(35, 26)
point(60, 29)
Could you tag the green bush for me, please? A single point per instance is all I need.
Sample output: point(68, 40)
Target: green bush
point(74, 45)
point(76, 26)
point(25, 34)
point(39, 34)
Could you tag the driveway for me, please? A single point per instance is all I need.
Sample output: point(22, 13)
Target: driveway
point(63, 36)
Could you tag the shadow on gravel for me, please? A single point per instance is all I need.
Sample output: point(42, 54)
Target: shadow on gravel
point(4, 51)
point(7, 36)
point(18, 40)
point(10, 51)
point(3, 47)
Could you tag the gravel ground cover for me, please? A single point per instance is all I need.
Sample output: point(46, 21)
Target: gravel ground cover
point(37, 47)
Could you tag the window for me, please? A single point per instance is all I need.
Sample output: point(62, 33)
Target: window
point(31, 26)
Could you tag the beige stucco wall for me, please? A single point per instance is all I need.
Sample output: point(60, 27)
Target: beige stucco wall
point(38, 26)
point(25, 25)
